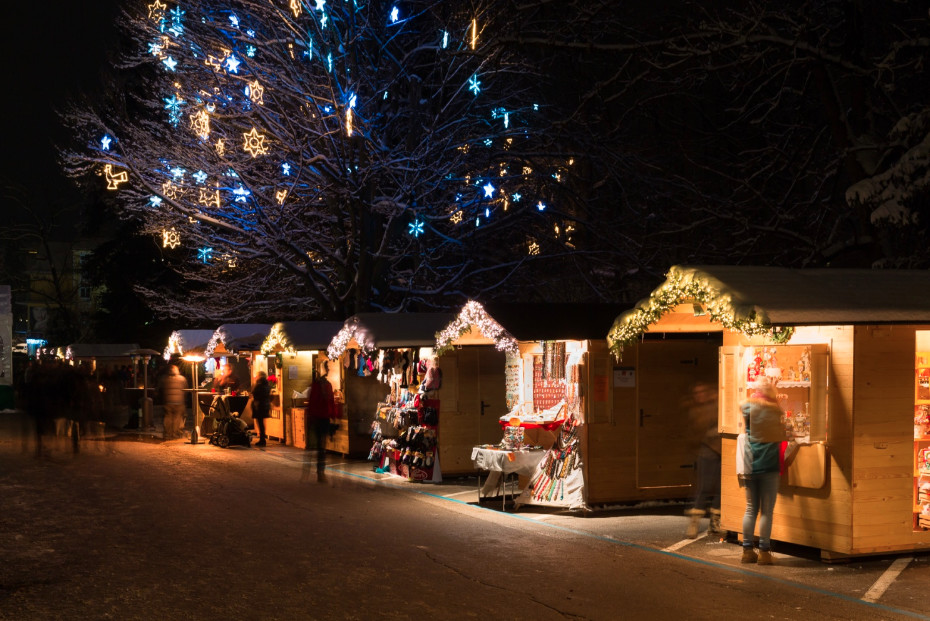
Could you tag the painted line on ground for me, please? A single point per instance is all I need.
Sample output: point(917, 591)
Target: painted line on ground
point(886, 579)
point(683, 543)
point(643, 548)
point(471, 491)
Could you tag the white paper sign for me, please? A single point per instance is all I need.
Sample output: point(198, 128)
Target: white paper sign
point(625, 377)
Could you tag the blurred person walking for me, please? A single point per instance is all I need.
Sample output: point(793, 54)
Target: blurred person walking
point(321, 407)
point(261, 408)
point(172, 386)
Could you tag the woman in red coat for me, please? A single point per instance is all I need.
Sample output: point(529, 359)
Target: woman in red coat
point(321, 407)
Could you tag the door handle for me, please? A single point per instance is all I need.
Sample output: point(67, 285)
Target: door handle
point(643, 416)
point(483, 405)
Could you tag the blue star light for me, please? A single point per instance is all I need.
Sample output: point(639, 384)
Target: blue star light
point(200, 176)
point(250, 51)
point(232, 63)
point(177, 172)
point(394, 15)
point(474, 84)
point(516, 197)
point(488, 190)
point(105, 143)
point(155, 202)
point(319, 5)
point(286, 169)
point(234, 20)
point(155, 49)
point(170, 63)
point(241, 194)
point(205, 254)
point(415, 228)
point(541, 206)
point(177, 29)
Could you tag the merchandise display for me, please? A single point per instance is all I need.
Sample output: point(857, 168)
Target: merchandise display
point(922, 441)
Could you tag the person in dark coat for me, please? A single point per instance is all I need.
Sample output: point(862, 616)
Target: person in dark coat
point(321, 407)
point(261, 404)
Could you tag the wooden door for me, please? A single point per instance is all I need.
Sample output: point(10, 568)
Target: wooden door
point(667, 438)
point(469, 417)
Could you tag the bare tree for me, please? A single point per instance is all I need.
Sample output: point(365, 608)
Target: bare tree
point(303, 159)
point(760, 132)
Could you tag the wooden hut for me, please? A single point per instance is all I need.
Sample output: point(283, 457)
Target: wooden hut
point(377, 354)
point(236, 344)
point(289, 354)
point(541, 364)
point(850, 350)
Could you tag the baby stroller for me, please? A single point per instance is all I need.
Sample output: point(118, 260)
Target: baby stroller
point(230, 429)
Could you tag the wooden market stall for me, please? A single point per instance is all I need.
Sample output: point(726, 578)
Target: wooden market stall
point(544, 376)
point(236, 345)
point(289, 354)
point(850, 350)
point(188, 348)
point(379, 356)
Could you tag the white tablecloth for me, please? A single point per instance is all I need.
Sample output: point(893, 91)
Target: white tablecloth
point(522, 462)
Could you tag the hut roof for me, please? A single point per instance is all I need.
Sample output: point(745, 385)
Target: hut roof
point(380, 330)
point(755, 299)
point(77, 351)
point(237, 337)
point(300, 335)
point(188, 342)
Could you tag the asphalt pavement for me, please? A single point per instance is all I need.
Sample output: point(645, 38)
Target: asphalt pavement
point(132, 527)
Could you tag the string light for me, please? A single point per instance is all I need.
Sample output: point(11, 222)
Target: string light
point(351, 329)
point(683, 285)
point(114, 178)
point(254, 143)
point(474, 315)
point(170, 238)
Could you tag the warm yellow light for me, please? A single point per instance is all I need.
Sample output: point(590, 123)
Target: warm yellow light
point(349, 122)
point(474, 33)
point(254, 143)
point(114, 179)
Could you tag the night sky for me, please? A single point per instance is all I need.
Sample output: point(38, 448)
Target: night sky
point(50, 51)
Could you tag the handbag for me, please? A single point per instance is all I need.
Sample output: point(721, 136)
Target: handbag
point(743, 456)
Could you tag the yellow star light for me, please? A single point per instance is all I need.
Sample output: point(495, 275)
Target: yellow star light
point(157, 11)
point(114, 179)
point(295, 6)
point(220, 147)
point(280, 196)
point(534, 248)
point(170, 239)
point(256, 91)
point(208, 198)
point(254, 143)
point(457, 216)
point(200, 123)
point(170, 190)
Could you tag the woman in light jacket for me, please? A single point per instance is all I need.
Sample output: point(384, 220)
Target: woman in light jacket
point(764, 420)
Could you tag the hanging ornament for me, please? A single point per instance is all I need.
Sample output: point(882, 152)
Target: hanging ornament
point(114, 178)
point(205, 254)
point(170, 239)
point(254, 143)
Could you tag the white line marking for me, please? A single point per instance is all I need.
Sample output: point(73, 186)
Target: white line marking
point(471, 491)
point(683, 543)
point(884, 581)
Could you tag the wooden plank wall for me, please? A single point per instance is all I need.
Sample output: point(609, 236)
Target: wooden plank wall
point(819, 518)
point(883, 441)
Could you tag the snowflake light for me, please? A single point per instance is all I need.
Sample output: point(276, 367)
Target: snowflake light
point(415, 228)
point(205, 254)
point(474, 84)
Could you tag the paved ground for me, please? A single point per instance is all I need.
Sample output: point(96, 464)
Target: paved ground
point(137, 528)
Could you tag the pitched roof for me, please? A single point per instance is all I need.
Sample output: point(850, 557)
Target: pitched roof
point(239, 336)
point(379, 330)
point(300, 335)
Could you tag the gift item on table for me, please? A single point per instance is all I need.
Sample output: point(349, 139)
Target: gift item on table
point(513, 438)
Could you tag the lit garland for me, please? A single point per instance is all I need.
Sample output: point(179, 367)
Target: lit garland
point(277, 340)
point(351, 329)
point(473, 314)
point(684, 285)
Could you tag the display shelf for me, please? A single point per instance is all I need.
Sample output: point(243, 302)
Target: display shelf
point(782, 384)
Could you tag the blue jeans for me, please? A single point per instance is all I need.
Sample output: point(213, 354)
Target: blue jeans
point(761, 493)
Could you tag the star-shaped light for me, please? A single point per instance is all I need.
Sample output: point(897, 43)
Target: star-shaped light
point(241, 194)
point(208, 198)
point(541, 206)
point(488, 190)
point(533, 248)
point(155, 49)
point(105, 143)
point(157, 11)
point(474, 84)
point(155, 202)
point(516, 196)
point(205, 254)
point(254, 143)
point(234, 20)
point(200, 176)
point(415, 228)
point(295, 7)
point(280, 195)
point(255, 91)
point(220, 147)
point(456, 217)
point(170, 239)
point(170, 63)
point(394, 15)
point(286, 169)
point(171, 190)
point(319, 5)
point(200, 123)
point(178, 173)
point(232, 63)
point(250, 51)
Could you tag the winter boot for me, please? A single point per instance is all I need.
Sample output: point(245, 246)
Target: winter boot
point(749, 556)
point(714, 522)
point(694, 524)
point(766, 558)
